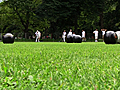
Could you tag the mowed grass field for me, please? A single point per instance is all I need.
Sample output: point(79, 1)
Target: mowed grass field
point(59, 66)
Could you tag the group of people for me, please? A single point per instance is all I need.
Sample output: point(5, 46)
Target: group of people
point(96, 34)
point(38, 35)
point(73, 34)
point(83, 34)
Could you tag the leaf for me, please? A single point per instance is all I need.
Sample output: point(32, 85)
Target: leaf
point(5, 70)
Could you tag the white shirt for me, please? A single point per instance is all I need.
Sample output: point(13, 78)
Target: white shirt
point(83, 34)
point(37, 34)
point(96, 33)
point(103, 32)
point(70, 33)
point(64, 33)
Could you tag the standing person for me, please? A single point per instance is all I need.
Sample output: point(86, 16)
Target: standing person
point(64, 35)
point(38, 35)
point(103, 33)
point(70, 32)
point(83, 35)
point(96, 35)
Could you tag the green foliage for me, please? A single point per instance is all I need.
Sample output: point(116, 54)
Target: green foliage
point(53, 16)
point(20, 17)
point(64, 66)
point(78, 14)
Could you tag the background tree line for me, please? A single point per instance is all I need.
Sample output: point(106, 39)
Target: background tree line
point(53, 16)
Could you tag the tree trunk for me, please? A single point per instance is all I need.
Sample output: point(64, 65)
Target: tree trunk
point(76, 25)
point(26, 32)
point(46, 29)
point(101, 20)
point(25, 35)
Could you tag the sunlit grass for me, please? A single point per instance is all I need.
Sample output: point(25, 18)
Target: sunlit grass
point(55, 65)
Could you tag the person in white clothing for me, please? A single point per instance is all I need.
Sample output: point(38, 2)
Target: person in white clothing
point(83, 35)
point(96, 35)
point(103, 33)
point(64, 35)
point(38, 35)
point(70, 32)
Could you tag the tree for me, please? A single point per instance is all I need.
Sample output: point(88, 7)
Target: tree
point(6, 18)
point(74, 13)
point(59, 11)
point(23, 9)
point(53, 16)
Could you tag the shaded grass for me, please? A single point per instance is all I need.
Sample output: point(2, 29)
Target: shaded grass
point(30, 65)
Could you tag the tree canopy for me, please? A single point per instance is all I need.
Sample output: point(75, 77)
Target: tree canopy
point(53, 16)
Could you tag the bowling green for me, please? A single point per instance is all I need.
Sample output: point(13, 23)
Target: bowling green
point(59, 66)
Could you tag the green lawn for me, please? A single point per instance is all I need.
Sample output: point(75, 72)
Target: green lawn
point(58, 65)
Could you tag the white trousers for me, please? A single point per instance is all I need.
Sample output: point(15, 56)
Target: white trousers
point(96, 37)
point(63, 38)
point(37, 39)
